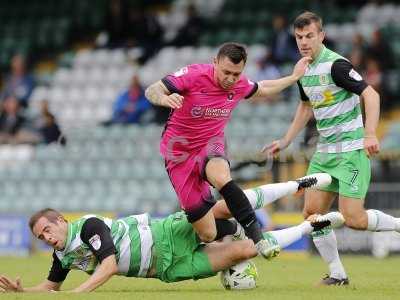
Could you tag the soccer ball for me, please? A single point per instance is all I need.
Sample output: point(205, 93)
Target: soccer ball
point(242, 276)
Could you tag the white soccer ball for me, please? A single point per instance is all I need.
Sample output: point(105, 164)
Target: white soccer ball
point(242, 276)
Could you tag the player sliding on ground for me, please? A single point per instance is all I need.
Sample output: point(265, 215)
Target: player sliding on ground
point(168, 249)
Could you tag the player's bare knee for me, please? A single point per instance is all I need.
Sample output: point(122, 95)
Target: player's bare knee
point(218, 180)
point(351, 223)
point(221, 180)
point(207, 236)
point(356, 222)
point(307, 213)
point(217, 172)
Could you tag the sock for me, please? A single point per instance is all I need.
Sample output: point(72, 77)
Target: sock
point(225, 227)
point(325, 241)
point(288, 236)
point(379, 221)
point(262, 195)
point(241, 210)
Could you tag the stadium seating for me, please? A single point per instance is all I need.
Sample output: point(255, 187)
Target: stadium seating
point(37, 26)
point(92, 173)
point(391, 140)
point(119, 168)
point(249, 22)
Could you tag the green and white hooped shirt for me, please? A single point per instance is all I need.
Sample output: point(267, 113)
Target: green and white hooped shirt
point(93, 238)
point(332, 87)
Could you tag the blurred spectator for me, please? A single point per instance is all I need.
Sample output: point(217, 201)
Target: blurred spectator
point(19, 83)
point(283, 43)
point(267, 70)
point(357, 52)
point(116, 23)
point(146, 32)
point(13, 125)
point(374, 76)
point(131, 105)
point(190, 31)
point(47, 126)
point(359, 43)
point(356, 58)
point(380, 50)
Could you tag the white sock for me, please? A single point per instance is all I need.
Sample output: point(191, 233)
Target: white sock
point(288, 236)
point(327, 247)
point(379, 221)
point(262, 195)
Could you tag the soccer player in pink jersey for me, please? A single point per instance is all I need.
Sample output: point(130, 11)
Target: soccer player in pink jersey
point(202, 98)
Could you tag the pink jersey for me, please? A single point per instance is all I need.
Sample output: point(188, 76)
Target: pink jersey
point(206, 108)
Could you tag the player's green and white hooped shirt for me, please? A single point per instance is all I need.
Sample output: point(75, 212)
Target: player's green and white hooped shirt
point(92, 238)
point(332, 87)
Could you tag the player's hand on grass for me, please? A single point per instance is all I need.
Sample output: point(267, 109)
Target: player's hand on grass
point(371, 145)
point(173, 101)
point(273, 148)
point(301, 67)
point(7, 285)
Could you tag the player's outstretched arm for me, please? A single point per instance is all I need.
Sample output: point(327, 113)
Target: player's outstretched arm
point(10, 286)
point(103, 273)
point(372, 107)
point(269, 87)
point(158, 94)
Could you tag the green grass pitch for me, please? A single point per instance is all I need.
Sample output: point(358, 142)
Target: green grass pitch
point(286, 277)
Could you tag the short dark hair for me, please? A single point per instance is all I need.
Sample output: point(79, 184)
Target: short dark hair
point(306, 18)
point(50, 214)
point(234, 51)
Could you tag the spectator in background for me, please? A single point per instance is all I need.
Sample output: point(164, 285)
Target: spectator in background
point(146, 32)
point(13, 124)
point(357, 52)
point(267, 69)
point(19, 83)
point(380, 51)
point(47, 126)
point(356, 58)
point(375, 77)
point(373, 74)
point(189, 33)
point(116, 23)
point(283, 43)
point(131, 105)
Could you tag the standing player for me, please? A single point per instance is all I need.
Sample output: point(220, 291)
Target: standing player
point(202, 97)
point(330, 91)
